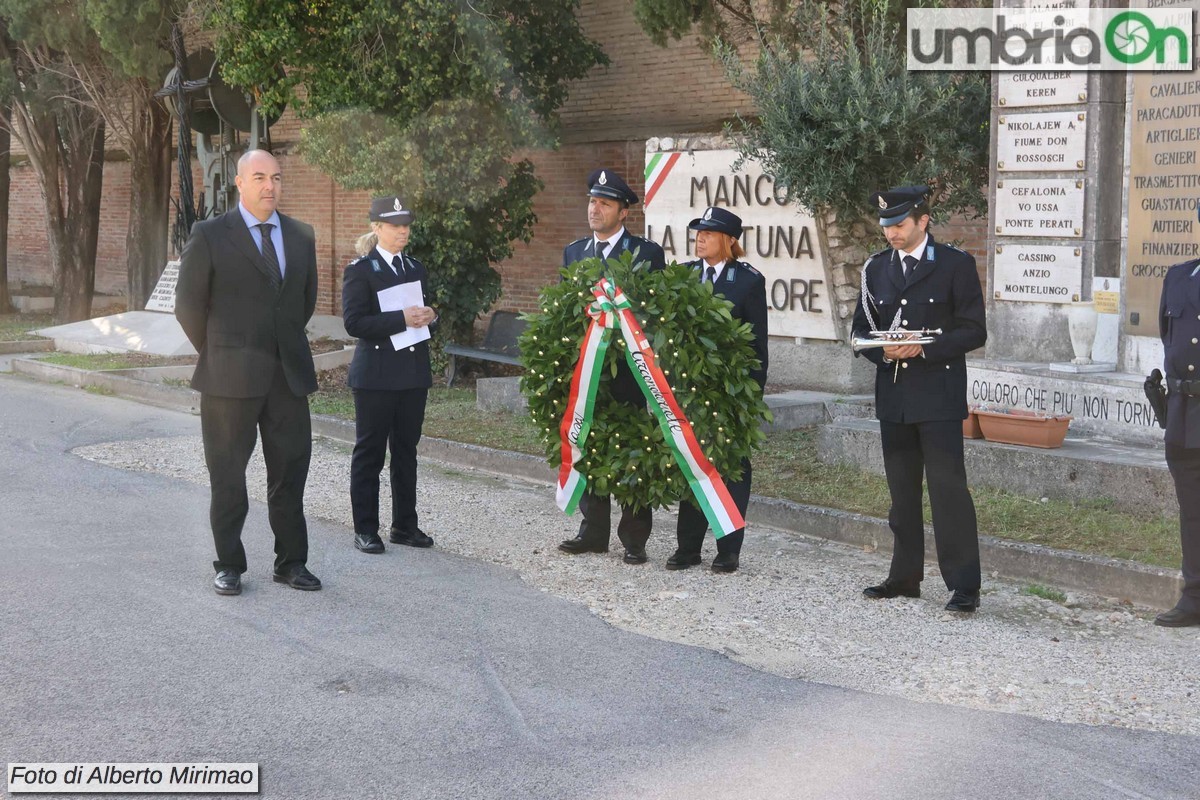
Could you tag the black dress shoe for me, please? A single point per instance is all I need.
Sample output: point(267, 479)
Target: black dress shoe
point(682, 560)
point(1177, 618)
point(415, 538)
point(299, 578)
point(963, 601)
point(725, 562)
point(368, 542)
point(635, 555)
point(576, 546)
point(228, 581)
point(890, 588)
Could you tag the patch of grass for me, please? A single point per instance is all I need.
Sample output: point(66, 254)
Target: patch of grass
point(102, 361)
point(100, 390)
point(16, 327)
point(1044, 592)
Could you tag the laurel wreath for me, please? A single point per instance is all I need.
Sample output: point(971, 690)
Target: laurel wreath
point(704, 352)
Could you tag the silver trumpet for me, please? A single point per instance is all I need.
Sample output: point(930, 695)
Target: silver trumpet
point(891, 338)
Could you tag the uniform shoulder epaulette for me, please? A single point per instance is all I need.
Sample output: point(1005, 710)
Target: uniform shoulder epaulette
point(954, 247)
point(577, 241)
point(749, 268)
point(880, 253)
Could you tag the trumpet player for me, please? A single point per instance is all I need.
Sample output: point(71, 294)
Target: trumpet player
point(921, 393)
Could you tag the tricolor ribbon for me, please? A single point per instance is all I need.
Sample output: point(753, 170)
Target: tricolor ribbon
point(610, 309)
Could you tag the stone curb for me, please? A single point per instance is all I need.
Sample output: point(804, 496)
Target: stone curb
point(27, 346)
point(1107, 577)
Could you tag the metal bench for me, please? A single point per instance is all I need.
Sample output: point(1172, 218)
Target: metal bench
point(499, 344)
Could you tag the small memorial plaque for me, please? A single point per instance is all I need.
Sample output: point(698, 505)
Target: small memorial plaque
point(1106, 294)
point(1041, 88)
point(163, 296)
point(1042, 142)
point(1051, 207)
point(1038, 273)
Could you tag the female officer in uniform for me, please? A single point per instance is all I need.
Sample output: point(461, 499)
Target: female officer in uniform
point(718, 232)
point(390, 386)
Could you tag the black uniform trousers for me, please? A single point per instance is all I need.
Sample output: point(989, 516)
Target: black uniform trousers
point(692, 526)
point(1184, 464)
point(229, 427)
point(383, 419)
point(933, 450)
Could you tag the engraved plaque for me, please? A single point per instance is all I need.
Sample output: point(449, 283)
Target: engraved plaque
point(1017, 89)
point(1038, 273)
point(1041, 142)
point(1050, 207)
point(163, 296)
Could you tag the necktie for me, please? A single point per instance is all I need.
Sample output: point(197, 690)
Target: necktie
point(269, 255)
point(600, 248)
point(398, 265)
point(909, 263)
point(710, 275)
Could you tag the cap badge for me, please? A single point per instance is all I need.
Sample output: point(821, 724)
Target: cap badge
point(603, 179)
point(397, 205)
point(708, 213)
point(882, 203)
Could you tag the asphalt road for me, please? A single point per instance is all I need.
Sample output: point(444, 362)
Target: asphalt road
point(431, 676)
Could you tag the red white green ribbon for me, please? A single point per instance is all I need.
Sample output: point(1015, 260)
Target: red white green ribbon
point(610, 309)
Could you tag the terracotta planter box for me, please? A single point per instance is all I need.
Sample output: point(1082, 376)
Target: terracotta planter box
point(1023, 427)
point(971, 429)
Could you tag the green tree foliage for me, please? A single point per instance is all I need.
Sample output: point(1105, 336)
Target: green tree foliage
point(837, 112)
point(62, 136)
point(425, 98)
point(705, 355)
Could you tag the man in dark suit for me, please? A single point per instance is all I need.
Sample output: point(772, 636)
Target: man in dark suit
point(609, 199)
point(921, 393)
point(719, 248)
point(390, 384)
point(1179, 327)
point(247, 288)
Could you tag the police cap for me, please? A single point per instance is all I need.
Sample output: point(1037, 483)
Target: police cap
point(895, 204)
point(606, 183)
point(718, 219)
point(391, 209)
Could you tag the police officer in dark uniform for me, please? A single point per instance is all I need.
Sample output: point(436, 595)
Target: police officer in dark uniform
point(390, 385)
point(745, 287)
point(609, 199)
point(921, 393)
point(1179, 327)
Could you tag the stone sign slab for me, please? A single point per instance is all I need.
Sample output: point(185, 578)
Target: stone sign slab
point(163, 296)
point(1113, 405)
point(1037, 273)
point(1042, 207)
point(780, 237)
point(1164, 182)
point(1041, 88)
point(1042, 142)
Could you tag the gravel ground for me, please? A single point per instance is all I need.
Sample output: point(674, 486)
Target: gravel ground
point(794, 608)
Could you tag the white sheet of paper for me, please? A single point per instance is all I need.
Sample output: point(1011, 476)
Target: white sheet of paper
point(398, 298)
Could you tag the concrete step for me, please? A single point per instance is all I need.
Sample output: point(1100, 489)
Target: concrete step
point(802, 409)
point(1133, 477)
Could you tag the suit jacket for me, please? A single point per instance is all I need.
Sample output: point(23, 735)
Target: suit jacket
point(239, 324)
point(943, 291)
point(644, 250)
point(1179, 328)
point(624, 386)
point(745, 287)
point(376, 364)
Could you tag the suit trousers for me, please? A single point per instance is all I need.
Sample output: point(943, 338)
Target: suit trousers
point(229, 427)
point(933, 450)
point(633, 530)
point(383, 419)
point(1184, 464)
point(692, 525)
